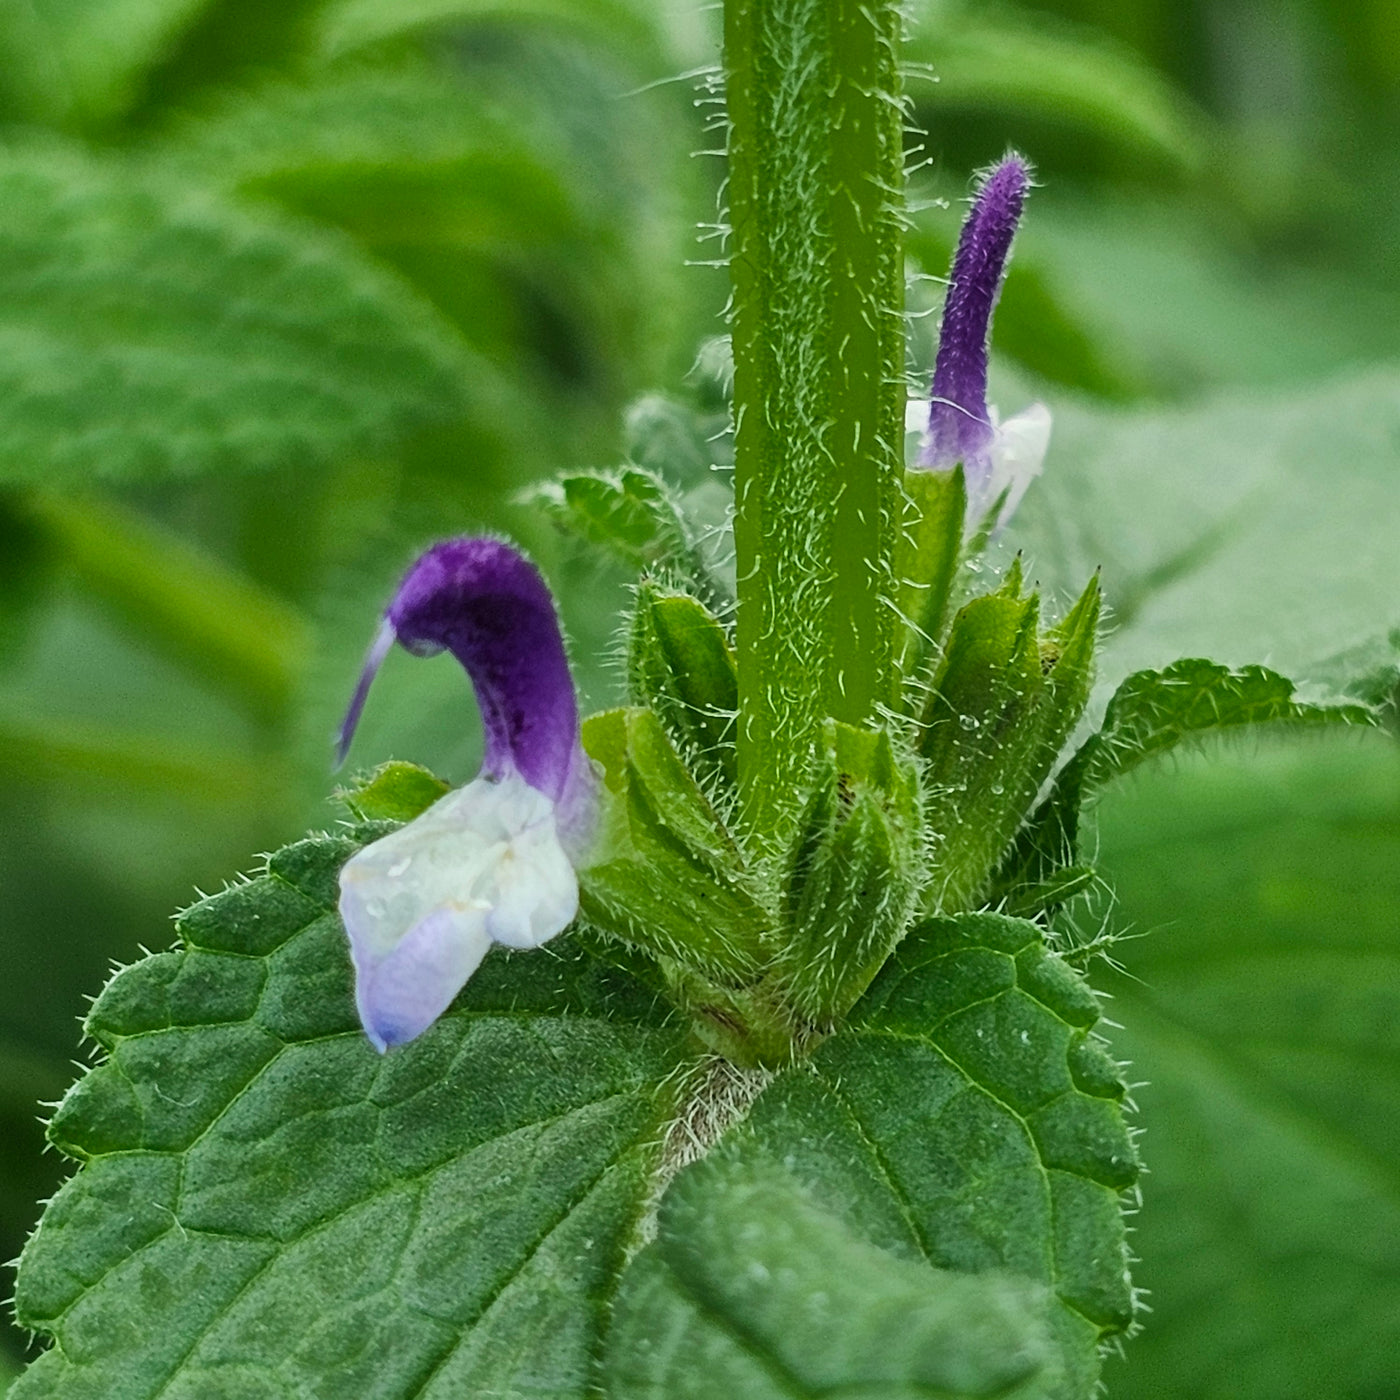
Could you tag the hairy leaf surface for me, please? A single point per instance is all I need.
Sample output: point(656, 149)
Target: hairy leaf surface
point(148, 328)
point(968, 1120)
point(1263, 1014)
point(268, 1208)
point(753, 1290)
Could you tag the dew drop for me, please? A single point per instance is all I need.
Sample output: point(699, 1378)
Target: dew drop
point(968, 722)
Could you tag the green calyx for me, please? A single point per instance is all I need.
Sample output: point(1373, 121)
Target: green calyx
point(768, 955)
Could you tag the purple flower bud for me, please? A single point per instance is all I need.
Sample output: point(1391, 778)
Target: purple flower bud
point(492, 862)
point(961, 427)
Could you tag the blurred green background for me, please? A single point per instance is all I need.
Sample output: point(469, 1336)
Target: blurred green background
point(287, 290)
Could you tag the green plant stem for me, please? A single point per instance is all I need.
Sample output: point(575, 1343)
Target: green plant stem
point(815, 171)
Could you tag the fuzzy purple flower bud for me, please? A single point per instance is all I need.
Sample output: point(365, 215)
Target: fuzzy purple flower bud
point(997, 458)
point(493, 861)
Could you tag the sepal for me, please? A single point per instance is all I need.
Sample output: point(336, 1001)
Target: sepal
point(1005, 699)
point(854, 872)
point(928, 553)
point(665, 875)
point(680, 665)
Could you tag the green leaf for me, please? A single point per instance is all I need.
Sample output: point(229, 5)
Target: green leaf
point(1263, 1015)
point(268, 1207)
point(1031, 69)
point(856, 868)
point(1150, 714)
point(927, 556)
point(1247, 528)
point(353, 24)
point(395, 792)
point(1154, 711)
point(969, 1119)
point(80, 63)
point(754, 1290)
point(147, 328)
point(630, 514)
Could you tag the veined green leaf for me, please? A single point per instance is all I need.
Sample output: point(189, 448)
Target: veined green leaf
point(1263, 1015)
point(1154, 711)
point(630, 514)
point(1248, 527)
point(147, 328)
point(1151, 713)
point(267, 1206)
point(754, 1290)
point(968, 1119)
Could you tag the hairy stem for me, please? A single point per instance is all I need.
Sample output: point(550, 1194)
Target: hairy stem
point(815, 170)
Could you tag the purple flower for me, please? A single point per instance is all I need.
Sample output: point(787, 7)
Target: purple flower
point(492, 862)
point(998, 458)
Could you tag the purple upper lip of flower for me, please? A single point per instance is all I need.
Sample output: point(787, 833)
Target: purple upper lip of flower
point(483, 601)
point(960, 427)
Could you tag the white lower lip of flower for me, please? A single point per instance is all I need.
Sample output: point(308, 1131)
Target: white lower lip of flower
point(1018, 457)
point(423, 905)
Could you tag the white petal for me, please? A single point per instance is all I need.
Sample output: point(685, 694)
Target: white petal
point(422, 905)
point(1018, 457)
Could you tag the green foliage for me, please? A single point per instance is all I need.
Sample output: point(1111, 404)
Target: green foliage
point(394, 792)
point(1150, 714)
point(1250, 524)
point(266, 1205)
point(968, 1120)
point(928, 554)
point(147, 328)
point(1034, 68)
point(1262, 1016)
point(755, 1290)
point(631, 514)
point(855, 870)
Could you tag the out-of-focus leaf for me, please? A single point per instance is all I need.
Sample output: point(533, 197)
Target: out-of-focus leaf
point(148, 328)
point(646, 27)
point(81, 62)
point(173, 597)
point(1251, 529)
point(1031, 67)
point(539, 227)
point(226, 41)
point(265, 1204)
point(1183, 303)
point(754, 1290)
point(1263, 1015)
